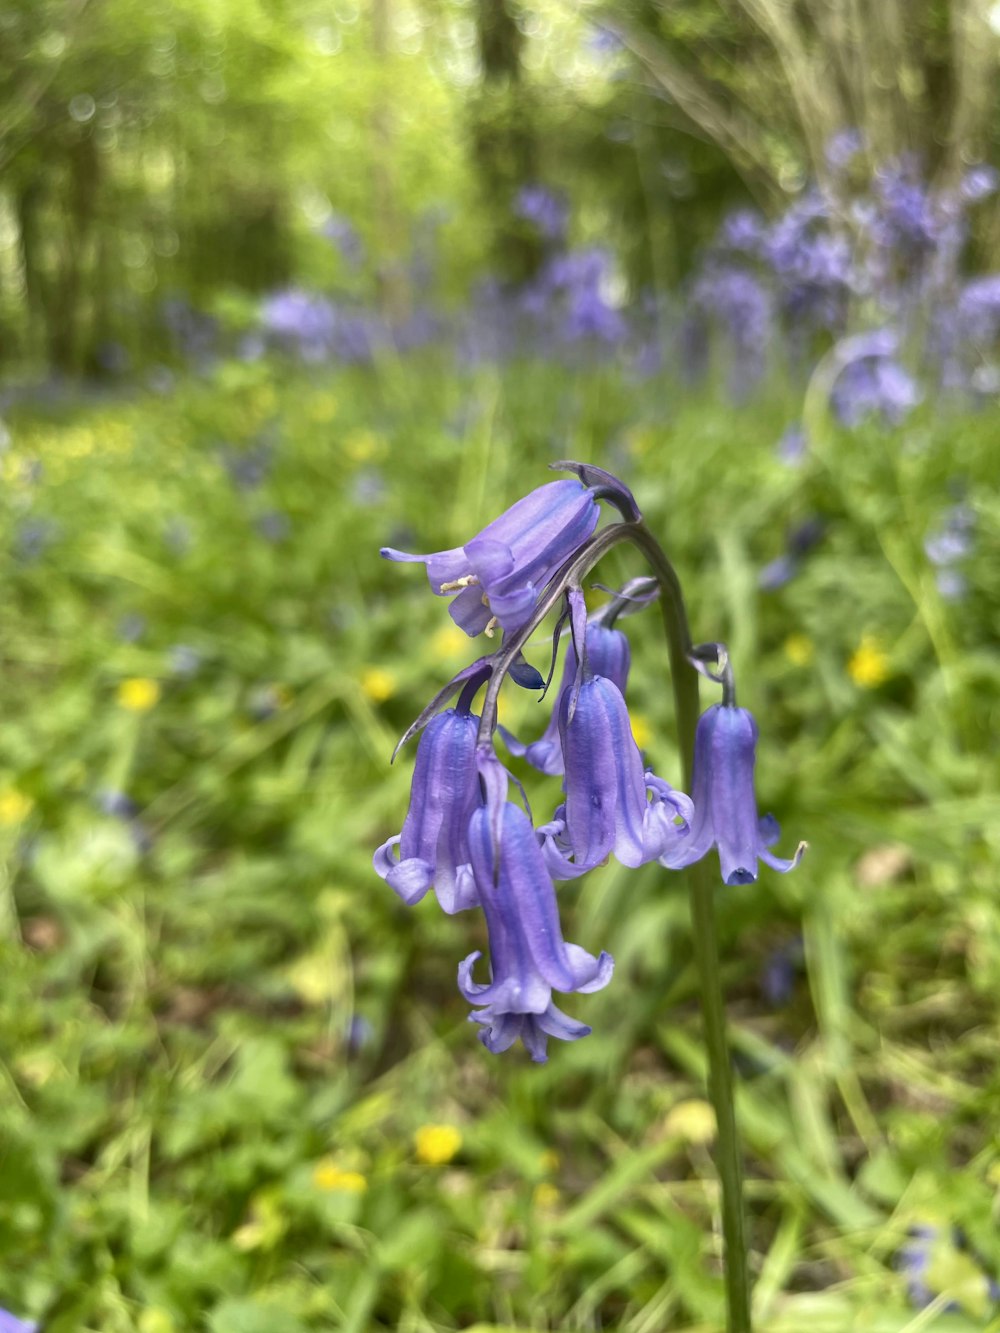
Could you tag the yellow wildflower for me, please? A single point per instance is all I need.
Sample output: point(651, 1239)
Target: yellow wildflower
point(546, 1196)
point(437, 1144)
point(14, 806)
point(448, 641)
point(641, 730)
point(799, 649)
point(138, 694)
point(361, 446)
point(377, 684)
point(692, 1120)
point(869, 664)
point(327, 1175)
point(323, 407)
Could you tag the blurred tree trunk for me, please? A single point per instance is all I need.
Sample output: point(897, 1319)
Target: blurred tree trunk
point(27, 209)
point(503, 135)
point(771, 81)
point(393, 288)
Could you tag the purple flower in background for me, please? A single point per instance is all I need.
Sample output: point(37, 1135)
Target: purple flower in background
point(528, 957)
point(978, 183)
point(544, 209)
point(193, 333)
point(737, 301)
point(184, 660)
point(906, 221)
point(777, 572)
point(131, 626)
point(434, 846)
point(842, 148)
point(872, 381)
point(302, 321)
point(978, 312)
point(33, 538)
point(725, 807)
point(578, 282)
point(812, 264)
point(273, 525)
point(11, 1324)
point(791, 448)
point(604, 42)
point(744, 229)
point(777, 981)
point(342, 234)
point(947, 546)
point(248, 467)
point(499, 574)
point(116, 804)
point(914, 1261)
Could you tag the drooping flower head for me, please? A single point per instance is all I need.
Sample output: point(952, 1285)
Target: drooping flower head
point(500, 572)
point(434, 845)
point(528, 957)
point(725, 806)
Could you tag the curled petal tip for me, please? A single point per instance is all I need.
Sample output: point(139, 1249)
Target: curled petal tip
point(605, 485)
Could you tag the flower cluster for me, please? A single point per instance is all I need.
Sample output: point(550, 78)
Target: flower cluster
point(476, 847)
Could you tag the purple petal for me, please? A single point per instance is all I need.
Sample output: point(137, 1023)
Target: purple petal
point(605, 790)
point(442, 566)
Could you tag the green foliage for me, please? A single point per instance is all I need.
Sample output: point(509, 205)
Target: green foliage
point(221, 1033)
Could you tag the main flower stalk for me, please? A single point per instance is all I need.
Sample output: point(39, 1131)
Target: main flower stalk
point(467, 839)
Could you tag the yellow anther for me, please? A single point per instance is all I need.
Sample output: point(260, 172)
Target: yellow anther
point(456, 585)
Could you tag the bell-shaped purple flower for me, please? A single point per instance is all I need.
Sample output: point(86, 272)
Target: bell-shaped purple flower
point(725, 807)
point(501, 571)
point(434, 845)
point(608, 655)
point(605, 785)
point(666, 828)
point(528, 957)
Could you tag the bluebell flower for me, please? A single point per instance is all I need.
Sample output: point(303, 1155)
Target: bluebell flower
point(978, 183)
point(131, 626)
point(528, 957)
point(543, 209)
point(273, 525)
point(951, 584)
point(433, 845)
point(184, 660)
point(872, 380)
point(301, 321)
point(579, 283)
point(608, 655)
point(604, 776)
point(978, 310)
point(737, 300)
point(925, 1259)
point(744, 229)
point(342, 234)
point(500, 573)
point(11, 1324)
point(665, 830)
point(842, 148)
point(248, 467)
point(777, 572)
point(725, 806)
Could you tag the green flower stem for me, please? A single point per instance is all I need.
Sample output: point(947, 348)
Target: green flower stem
point(701, 885)
point(684, 679)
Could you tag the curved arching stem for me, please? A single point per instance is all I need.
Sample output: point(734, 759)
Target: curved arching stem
point(701, 884)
